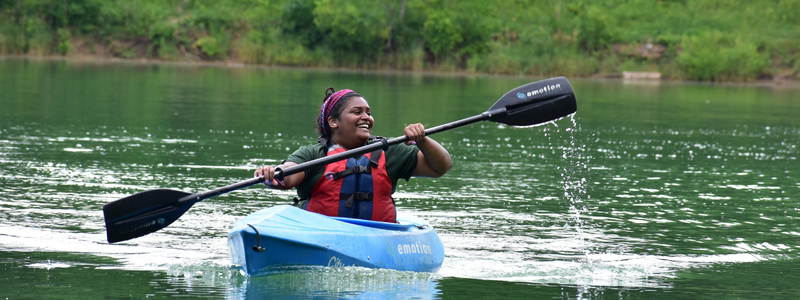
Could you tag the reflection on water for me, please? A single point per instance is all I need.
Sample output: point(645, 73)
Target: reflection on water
point(330, 283)
point(637, 192)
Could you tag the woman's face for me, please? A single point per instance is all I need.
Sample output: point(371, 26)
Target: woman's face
point(354, 126)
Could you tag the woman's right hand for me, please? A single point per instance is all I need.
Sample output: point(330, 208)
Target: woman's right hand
point(288, 182)
point(269, 176)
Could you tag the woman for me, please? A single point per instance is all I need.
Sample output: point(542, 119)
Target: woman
point(359, 187)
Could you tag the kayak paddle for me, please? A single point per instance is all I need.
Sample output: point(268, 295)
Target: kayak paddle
point(149, 211)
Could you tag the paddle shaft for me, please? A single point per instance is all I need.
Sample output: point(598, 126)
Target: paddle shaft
point(313, 164)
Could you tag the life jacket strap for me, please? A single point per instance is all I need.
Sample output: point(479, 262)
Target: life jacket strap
point(375, 157)
point(348, 171)
point(355, 197)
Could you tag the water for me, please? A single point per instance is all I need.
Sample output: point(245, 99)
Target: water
point(650, 191)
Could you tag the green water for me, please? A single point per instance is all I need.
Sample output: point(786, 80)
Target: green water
point(655, 191)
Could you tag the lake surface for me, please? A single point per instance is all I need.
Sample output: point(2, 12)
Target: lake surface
point(656, 191)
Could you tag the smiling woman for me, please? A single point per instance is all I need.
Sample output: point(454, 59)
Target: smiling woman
point(359, 187)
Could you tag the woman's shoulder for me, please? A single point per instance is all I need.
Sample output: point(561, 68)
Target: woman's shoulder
point(401, 151)
point(312, 147)
point(307, 153)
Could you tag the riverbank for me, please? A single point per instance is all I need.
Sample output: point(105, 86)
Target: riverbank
point(94, 59)
point(733, 41)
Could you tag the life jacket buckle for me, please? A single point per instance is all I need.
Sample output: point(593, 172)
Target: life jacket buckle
point(362, 169)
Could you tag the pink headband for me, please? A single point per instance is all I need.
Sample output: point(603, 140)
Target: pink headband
point(327, 106)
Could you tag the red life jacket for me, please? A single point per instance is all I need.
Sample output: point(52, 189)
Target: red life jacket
point(355, 188)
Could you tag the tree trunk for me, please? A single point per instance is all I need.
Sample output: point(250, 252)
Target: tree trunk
point(391, 29)
point(19, 12)
point(64, 15)
point(558, 11)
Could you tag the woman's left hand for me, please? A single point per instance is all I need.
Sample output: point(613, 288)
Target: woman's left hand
point(415, 133)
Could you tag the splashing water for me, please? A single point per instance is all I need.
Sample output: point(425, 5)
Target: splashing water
point(573, 174)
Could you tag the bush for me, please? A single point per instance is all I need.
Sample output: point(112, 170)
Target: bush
point(475, 37)
point(712, 57)
point(208, 45)
point(742, 61)
point(251, 47)
point(12, 37)
point(64, 45)
point(592, 34)
point(441, 33)
point(298, 20)
point(38, 36)
point(162, 39)
point(351, 28)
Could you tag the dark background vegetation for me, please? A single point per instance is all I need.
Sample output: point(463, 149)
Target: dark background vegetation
point(722, 40)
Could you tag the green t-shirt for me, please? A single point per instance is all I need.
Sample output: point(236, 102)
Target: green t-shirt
point(401, 160)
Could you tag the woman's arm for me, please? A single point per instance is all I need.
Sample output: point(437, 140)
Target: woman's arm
point(433, 160)
point(288, 182)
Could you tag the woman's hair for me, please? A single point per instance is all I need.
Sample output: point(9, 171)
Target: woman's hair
point(335, 112)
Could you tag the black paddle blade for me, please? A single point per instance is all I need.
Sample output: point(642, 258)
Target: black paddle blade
point(143, 213)
point(536, 103)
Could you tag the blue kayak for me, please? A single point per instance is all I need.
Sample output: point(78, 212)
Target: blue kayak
point(286, 235)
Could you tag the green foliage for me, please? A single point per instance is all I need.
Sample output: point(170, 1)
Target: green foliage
point(591, 28)
point(38, 36)
point(251, 47)
point(298, 20)
point(351, 26)
point(128, 53)
point(788, 11)
point(701, 39)
point(84, 14)
point(208, 45)
point(12, 37)
point(592, 34)
point(712, 57)
point(475, 36)
point(441, 33)
point(64, 45)
point(164, 42)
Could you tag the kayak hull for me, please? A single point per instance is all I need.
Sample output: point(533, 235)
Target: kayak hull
point(286, 235)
